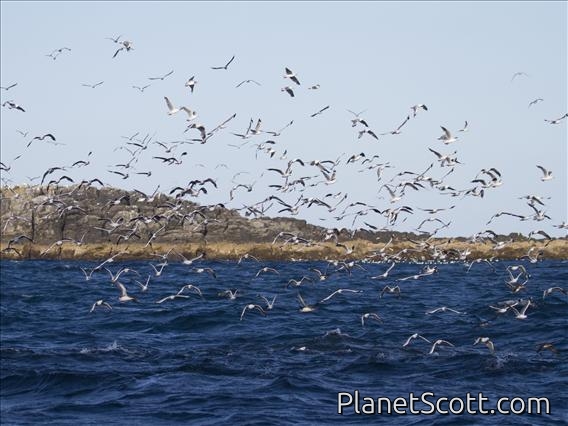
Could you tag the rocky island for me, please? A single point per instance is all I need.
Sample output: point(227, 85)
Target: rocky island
point(86, 222)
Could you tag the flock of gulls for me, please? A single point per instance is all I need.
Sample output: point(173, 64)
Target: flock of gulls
point(295, 184)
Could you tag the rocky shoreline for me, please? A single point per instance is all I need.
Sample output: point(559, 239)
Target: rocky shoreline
point(88, 223)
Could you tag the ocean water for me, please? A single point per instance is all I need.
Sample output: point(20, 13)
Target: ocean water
point(194, 361)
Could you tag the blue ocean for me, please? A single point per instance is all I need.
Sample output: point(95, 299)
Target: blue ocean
point(204, 358)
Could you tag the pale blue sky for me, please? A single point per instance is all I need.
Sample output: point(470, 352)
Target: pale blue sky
point(457, 58)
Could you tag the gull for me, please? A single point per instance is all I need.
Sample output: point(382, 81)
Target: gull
point(447, 137)
point(394, 197)
point(162, 77)
point(266, 269)
point(385, 274)
point(141, 89)
point(322, 276)
point(202, 132)
point(558, 120)
point(100, 304)
point(546, 346)
point(252, 306)
point(414, 277)
point(19, 238)
point(370, 315)
point(356, 114)
point(547, 174)
point(114, 278)
point(487, 342)
point(248, 81)
point(224, 67)
point(190, 287)
point(144, 287)
point(319, 112)
point(536, 101)
point(269, 303)
point(291, 75)
point(92, 86)
point(518, 74)
point(464, 129)
point(187, 261)
point(552, 290)
point(115, 39)
point(504, 309)
point(124, 297)
point(8, 87)
point(172, 297)
point(288, 90)
point(357, 120)
point(40, 138)
point(173, 110)
point(13, 105)
point(158, 272)
point(191, 83)
point(390, 290)
point(522, 314)
point(296, 283)
point(245, 257)
point(232, 295)
point(279, 132)
point(415, 109)
point(314, 87)
point(109, 260)
point(415, 336)
point(304, 306)
point(339, 291)
point(397, 130)
point(370, 132)
point(58, 243)
point(348, 250)
point(439, 342)
point(53, 55)
point(125, 45)
point(209, 271)
point(443, 309)
point(539, 232)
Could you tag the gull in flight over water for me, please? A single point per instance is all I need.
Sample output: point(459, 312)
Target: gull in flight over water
point(369, 316)
point(443, 309)
point(101, 304)
point(487, 342)
point(124, 297)
point(552, 290)
point(339, 291)
point(522, 314)
point(415, 336)
point(269, 303)
point(252, 306)
point(439, 342)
